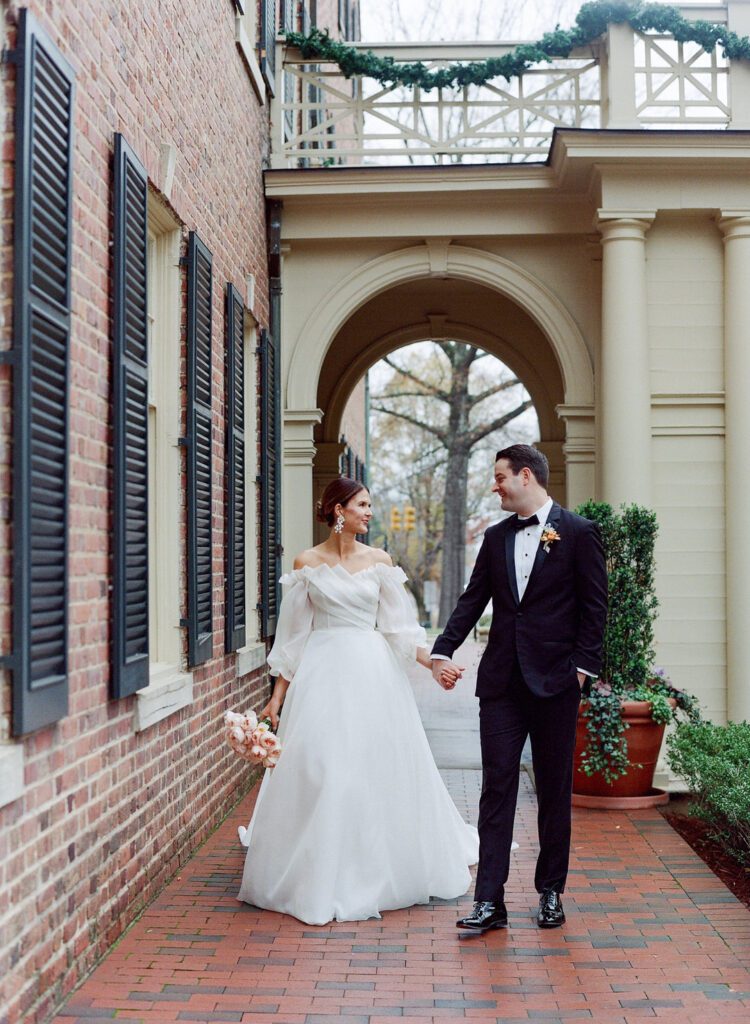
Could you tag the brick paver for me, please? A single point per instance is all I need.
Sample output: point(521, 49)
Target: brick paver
point(651, 933)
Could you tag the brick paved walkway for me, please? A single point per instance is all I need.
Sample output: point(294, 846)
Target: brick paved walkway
point(651, 933)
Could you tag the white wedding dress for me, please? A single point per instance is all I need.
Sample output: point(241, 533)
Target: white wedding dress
point(355, 818)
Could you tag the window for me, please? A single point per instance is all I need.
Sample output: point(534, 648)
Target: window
point(169, 687)
point(253, 655)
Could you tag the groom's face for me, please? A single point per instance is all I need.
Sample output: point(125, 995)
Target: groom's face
point(509, 486)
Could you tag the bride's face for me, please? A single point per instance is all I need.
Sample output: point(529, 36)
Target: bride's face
point(357, 513)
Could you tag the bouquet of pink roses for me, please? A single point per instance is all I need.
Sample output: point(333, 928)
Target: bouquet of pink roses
point(252, 740)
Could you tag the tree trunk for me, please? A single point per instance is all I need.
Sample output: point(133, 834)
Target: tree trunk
point(454, 532)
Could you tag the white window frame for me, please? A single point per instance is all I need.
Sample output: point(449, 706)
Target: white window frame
point(170, 687)
point(252, 656)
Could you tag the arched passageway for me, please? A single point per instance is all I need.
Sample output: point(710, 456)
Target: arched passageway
point(453, 292)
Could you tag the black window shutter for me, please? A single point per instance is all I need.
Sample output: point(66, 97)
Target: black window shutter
point(200, 590)
point(267, 43)
point(41, 335)
point(130, 424)
point(235, 455)
point(270, 482)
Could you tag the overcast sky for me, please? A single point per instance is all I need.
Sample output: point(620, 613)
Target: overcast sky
point(509, 20)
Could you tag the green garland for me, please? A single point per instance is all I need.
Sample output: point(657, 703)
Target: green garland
point(591, 22)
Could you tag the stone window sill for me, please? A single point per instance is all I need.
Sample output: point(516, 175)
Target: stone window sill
point(250, 658)
point(11, 772)
point(169, 690)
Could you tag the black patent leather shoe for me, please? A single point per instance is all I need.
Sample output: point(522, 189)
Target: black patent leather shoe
point(484, 916)
point(551, 913)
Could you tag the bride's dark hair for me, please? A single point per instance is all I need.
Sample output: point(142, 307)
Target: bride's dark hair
point(338, 492)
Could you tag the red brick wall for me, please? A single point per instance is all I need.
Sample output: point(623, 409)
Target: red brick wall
point(108, 815)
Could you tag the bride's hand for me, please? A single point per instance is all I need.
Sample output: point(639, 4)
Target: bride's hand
point(271, 710)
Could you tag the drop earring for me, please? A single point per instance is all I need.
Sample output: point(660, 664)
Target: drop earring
point(339, 527)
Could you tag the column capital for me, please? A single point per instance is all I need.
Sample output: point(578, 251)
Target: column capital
point(734, 224)
point(617, 225)
point(298, 444)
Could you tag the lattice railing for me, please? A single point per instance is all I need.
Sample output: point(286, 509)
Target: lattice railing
point(679, 84)
point(322, 119)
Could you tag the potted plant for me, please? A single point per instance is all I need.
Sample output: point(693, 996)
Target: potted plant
point(621, 724)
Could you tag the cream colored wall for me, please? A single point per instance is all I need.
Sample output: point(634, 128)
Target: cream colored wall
point(666, 212)
point(685, 318)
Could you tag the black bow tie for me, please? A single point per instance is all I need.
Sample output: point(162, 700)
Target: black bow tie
point(521, 524)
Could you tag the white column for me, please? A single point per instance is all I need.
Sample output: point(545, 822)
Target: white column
point(736, 229)
point(297, 486)
point(624, 392)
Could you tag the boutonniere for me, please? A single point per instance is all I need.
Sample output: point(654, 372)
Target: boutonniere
point(549, 536)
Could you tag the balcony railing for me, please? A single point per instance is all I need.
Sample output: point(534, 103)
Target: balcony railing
point(625, 80)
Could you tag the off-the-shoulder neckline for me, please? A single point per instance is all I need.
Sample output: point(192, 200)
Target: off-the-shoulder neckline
point(307, 569)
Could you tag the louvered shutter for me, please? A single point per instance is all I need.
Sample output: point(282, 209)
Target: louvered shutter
point(235, 454)
point(270, 482)
point(267, 44)
point(198, 442)
point(41, 336)
point(130, 425)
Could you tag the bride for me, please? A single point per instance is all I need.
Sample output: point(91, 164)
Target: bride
point(354, 819)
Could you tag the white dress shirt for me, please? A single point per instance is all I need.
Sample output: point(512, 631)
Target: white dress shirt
point(527, 544)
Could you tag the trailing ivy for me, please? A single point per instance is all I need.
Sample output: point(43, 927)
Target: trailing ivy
point(591, 22)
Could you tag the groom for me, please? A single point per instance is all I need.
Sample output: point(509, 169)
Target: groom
point(544, 570)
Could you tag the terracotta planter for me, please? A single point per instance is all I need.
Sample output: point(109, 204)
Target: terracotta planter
point(635, 789)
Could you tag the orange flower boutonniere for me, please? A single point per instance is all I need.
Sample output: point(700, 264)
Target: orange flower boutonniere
point(549, 536)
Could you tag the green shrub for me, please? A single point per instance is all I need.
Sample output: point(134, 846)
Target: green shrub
point(628, 672)
point(713, 760)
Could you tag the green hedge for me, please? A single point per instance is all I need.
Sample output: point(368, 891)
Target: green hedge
point(714, 760)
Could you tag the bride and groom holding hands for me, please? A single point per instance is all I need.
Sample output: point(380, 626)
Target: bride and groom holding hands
point(355, 819)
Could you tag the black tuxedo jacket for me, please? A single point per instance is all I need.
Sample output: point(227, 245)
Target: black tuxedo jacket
point(558, 625)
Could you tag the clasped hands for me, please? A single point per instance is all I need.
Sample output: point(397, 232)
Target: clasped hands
point(446, 673)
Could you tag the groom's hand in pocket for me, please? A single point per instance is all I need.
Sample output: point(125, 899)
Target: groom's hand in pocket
point(446, 673)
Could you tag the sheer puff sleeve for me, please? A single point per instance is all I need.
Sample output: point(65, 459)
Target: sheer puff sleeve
point(293, 626)
point(397, 619)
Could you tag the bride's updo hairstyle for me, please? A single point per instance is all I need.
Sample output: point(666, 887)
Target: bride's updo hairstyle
point(338, 492)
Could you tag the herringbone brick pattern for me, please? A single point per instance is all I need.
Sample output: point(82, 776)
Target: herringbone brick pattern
point(651, 933)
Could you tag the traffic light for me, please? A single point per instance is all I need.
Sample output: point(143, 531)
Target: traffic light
point(395, 519)
point(410, 517)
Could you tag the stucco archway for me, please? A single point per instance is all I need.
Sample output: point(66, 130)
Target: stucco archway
point(444, 262)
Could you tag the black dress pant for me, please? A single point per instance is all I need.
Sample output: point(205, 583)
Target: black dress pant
point(504, 723)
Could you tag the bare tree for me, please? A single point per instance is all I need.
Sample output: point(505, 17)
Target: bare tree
point(436, 400)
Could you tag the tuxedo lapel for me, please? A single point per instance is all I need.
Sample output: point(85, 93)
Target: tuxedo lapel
point(510, 561)
point(541, 556)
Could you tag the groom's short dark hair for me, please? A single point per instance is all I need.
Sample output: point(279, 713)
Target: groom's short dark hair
point(525, 456)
